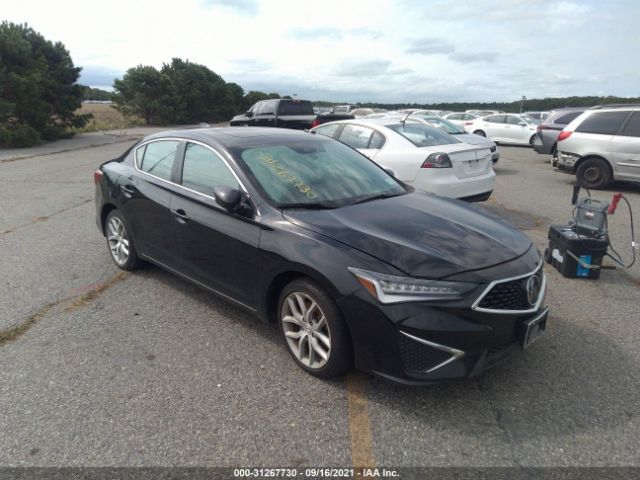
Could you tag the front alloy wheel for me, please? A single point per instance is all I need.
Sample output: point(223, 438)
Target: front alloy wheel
point(315, 334)
point(306, 330)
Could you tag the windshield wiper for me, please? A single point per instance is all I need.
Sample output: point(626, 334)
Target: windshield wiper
point(310, 205)
point(377, 196)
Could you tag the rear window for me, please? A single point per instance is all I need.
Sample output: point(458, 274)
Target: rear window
point(568, 118)
point(156, 158)
point(295, 107)
point(423, 135)
point(605, 123)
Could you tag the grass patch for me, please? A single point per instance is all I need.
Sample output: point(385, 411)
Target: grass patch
point(13, 333)
point(105, 117)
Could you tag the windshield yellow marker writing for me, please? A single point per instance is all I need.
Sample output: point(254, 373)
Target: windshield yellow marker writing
point(284, 174)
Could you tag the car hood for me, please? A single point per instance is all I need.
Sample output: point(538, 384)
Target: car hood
point(421, 234)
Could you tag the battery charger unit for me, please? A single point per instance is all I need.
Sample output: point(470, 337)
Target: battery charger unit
point(575, 255)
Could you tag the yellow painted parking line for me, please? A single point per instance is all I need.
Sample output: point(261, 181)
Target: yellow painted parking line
point(359, 425)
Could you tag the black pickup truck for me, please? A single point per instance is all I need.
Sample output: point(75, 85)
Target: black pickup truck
point(284, 113)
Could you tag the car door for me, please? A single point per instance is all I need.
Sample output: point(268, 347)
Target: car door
point(146, 196)
point(514, 131)
point(216, 248)
point(625, 149)
point(493, 126)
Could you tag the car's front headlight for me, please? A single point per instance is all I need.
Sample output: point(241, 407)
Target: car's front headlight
point(396, 289)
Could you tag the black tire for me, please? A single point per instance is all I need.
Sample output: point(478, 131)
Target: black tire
point(132, 260)
point(480, 132)
point(593, 173)
point(532, 140)
point(340, 355)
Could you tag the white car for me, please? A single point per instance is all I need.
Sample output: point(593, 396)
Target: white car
point(505, 128)
point(458, 132)
point(420, 155)
point(461, 119)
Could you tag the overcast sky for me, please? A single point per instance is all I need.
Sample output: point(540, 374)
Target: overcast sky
point(349, 50)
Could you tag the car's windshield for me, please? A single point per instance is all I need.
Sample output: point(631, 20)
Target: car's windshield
point(442, 124)
point(315, 172)
point(423, 135)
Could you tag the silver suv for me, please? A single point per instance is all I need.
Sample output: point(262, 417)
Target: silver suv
point(601, 145)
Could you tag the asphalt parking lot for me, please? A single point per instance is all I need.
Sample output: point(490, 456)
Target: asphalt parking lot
point(99, 367)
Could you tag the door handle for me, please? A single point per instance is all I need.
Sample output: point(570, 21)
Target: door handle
point(181, 215)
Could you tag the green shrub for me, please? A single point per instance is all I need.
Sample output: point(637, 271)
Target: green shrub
point(23, 136)
point(5, 137)
point(51, 132)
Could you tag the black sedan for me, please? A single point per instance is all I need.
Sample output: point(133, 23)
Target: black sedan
point(354, 266)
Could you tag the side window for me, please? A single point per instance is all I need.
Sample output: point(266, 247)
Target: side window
point(356, 136)
point(468, 117)
point(156, 158)
point(377, 141)
point(605, 123)
point(632, 128)
point(203, 170)
point(567, 119)
point(328, 130)
point(259, 108)
point(514, 120)
point(496, 119)
point(268, 107)
point(455, 116)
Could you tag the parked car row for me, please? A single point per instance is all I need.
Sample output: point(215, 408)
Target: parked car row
point(402, 141)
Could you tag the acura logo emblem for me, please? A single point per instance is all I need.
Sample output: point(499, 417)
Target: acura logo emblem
point(533, 286)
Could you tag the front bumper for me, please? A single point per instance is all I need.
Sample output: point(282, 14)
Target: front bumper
point(421, 344)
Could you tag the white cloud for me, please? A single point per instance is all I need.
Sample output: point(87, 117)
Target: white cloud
point(395, 50)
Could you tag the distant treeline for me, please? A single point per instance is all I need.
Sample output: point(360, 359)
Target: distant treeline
point(96, 94)
point(535, 104)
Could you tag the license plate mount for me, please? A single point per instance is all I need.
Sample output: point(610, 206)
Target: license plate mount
point(533, 329)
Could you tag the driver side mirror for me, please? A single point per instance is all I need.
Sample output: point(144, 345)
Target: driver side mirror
point(522, 124)
point(229, 198)
point(233, 200)
point(249, 114)
point(390, 172)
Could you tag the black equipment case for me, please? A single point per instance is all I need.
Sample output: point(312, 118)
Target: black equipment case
point(565, 246)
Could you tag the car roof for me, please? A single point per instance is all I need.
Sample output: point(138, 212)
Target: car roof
point(230, 137)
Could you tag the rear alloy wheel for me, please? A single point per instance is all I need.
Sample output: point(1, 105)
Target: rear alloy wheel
point(313, 330)
point(480, 132)
point(532, 140)
point(593, 173)
point(121, 247)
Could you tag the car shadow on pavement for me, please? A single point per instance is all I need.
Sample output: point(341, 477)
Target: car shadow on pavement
point(234, 314)
point(575, 380)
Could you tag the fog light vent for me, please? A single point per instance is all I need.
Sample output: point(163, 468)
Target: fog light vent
point(419, 357)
